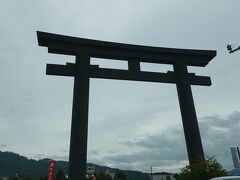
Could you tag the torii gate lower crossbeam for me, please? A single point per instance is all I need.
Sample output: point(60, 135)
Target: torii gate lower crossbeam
point(82, 71)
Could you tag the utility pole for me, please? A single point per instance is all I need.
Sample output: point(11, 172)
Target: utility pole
point(151, 172)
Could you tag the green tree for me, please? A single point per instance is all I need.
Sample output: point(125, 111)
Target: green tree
point(60, 175)
point(14, 178)
point(26, 178)
point(146, 178)
point(102, 176)
point(202, 170)
point(120, 176)
point(108, 177)
point(43, 178)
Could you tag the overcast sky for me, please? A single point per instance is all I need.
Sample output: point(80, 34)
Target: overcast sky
point(132, 125)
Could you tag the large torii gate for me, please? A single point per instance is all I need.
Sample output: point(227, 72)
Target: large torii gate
point(82, 71)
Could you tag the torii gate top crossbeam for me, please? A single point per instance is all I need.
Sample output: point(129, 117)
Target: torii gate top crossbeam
point(67, 45)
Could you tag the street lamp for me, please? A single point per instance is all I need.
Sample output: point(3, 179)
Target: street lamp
point(230, 48)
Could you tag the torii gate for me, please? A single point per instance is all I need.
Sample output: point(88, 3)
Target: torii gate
point(82, 71)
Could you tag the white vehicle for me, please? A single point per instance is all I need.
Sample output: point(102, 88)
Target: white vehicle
point(227, 178)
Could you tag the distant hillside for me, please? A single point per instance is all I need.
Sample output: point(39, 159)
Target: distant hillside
point(12, 163)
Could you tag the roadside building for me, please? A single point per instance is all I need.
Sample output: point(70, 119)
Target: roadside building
point(112, 174)
point(90, 171)
point(163, 176)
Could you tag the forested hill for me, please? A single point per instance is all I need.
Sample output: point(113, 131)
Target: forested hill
point(12, 163)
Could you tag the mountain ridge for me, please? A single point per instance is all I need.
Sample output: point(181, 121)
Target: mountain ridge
point(12, 163)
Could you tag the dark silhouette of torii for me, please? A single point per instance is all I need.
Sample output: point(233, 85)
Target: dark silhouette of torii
point(82, 71)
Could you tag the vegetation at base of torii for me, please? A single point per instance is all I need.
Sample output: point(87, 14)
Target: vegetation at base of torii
point(146, 178)
point(60, 175)
point(101, 176)
point(202, 170)
point(43, 178)
point(120, 176)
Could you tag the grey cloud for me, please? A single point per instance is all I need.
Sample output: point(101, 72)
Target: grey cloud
point(168, 148)
point(65, 150)
point(3, 145)
point(147, 156)
point(221, 130)
point(94, 153)
point(57, 157)
point(165, 140)
point(38, 156)
point(144, 159)
point(219, 134)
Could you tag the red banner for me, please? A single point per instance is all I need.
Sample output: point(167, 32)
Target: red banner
point(94, 178)
point(51, 169)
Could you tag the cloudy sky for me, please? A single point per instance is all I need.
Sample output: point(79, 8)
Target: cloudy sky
point(132, 125)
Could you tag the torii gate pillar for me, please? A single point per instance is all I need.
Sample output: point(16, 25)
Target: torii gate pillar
point(79, 127)
point(188, 112)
